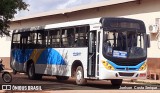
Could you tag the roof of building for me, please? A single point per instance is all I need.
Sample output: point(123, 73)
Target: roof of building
point(78, 8)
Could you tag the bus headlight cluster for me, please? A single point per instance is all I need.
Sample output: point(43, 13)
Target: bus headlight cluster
point(143, 67)
point(107, 65)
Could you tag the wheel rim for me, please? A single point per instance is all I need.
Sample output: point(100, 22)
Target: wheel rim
point(79, 75)
point(30, 71)
point(7, 78)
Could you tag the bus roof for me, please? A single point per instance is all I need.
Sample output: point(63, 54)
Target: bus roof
point(74, 23)
point(62, 25)
point(108, 23)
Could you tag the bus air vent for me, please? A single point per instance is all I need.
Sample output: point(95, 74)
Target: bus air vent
point(126, 74)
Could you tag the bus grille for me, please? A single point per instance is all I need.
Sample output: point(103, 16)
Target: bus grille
point(126, 74)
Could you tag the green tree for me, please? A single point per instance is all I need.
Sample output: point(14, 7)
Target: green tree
point(8, 8)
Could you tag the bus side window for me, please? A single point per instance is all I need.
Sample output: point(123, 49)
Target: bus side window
point(16, 41)
point(71, 37)
point(81, 36)
point(24, 40)
point(42, 39)
point(32, 40)
point(54, 38)
point(64, 38)
point(39, 40)
point(68, 37)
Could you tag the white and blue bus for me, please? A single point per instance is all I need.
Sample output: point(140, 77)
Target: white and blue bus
point(100, 48)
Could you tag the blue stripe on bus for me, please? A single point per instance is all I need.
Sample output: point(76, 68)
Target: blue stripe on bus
point(117, 67)
point(20, 55)
point(50, 56)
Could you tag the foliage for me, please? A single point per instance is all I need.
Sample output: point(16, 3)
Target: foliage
point(8, 8)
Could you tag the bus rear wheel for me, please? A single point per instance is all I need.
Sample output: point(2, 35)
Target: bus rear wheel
point(80, 80)
point(116, 82)
point(61, 78)
point(31, 73)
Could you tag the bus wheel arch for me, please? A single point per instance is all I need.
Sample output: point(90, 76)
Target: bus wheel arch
point(116, 82)
point(28, 64)
point(31, 71)
point(77, 71)
point(75, 64)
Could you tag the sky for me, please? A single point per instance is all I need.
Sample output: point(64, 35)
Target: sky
point(39, 6)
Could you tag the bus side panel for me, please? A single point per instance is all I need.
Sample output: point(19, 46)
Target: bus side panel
point(19, 57)
point(52, 61)
point(58, 61)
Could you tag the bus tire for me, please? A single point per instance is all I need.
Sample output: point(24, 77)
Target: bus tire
point(80, 80)
point(61, 78)
point(31, 72)
point(116, 82)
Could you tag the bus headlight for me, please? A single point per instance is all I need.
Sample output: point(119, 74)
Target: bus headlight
point(107, 65)
point(143, 67)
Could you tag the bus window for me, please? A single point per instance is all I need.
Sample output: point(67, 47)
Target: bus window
point(42, 39)
point(54, 38)
point(68, 37)
point(129, 43)
point(64, 38)
point(71, 37)
point(16, 41)
point(24, 40)
point(32, 38)
point(81, 36)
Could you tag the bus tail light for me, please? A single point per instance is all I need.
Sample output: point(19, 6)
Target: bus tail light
point(107, 65)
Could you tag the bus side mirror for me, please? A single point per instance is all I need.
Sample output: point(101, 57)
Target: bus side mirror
point(148, 41)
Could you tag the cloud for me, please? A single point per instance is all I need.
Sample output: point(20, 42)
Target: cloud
point(69, 3)
point(72, 3)
point(38, 6)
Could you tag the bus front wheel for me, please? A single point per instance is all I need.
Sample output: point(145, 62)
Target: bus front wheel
point(116, 82)
point(80, 80)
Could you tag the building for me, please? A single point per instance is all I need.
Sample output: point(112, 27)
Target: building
point(146, 10)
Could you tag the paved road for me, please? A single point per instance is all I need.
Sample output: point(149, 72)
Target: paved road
point(50, 83)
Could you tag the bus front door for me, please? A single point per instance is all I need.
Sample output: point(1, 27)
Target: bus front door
point(91, 54)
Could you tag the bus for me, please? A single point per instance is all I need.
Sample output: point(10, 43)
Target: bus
point(106, 48)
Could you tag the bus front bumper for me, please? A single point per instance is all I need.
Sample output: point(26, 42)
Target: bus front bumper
point(113, 74)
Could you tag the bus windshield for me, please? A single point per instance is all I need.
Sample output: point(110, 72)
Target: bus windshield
point(118, 44)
